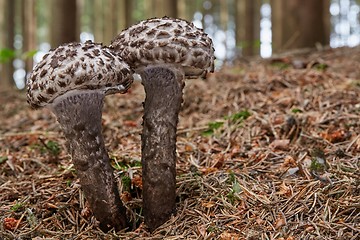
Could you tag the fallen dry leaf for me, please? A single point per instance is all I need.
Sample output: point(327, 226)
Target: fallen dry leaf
point(284, 190)
point(280, 144)
point(289, 161)
point(229, 236)
point(208, 204)
point(10, 223)
point(130, 123)
point(126, 196)
point(137, 181)
point(208, 170)
point(280, 221)
point(339, 135)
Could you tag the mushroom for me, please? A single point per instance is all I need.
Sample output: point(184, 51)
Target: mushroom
point(72, 80)
point(164, 51)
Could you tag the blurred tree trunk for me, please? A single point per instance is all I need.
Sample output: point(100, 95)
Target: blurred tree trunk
point(186, 9)
point(124, 15)
point(7, 41)
point(64, 22)
point(98, 20)
point(299, 24)
point(161, 8)
point(110, 18)
point(247, 18)
point(29, 30)
point(181, 6)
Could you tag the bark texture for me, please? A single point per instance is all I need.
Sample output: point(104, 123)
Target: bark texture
point(163, 88)
point(64, 23)
point(299, 24)
point(80, 118)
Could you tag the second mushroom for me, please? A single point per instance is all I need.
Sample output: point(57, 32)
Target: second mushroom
point(72, 80)
point(164, 51)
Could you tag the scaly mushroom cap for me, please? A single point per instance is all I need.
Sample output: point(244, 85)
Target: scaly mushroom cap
point(166, 41)
point(77, 66)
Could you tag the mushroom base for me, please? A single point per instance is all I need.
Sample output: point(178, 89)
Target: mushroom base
point(79, 114)
point(163, 88)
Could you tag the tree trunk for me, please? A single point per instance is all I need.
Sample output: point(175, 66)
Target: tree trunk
point(64, 22)
point(98, 20)
point(7, 40)
point(247, 33)
point(161, 8)
point(110, 21)
point(124, 16)
point(186, 9)
point(29, 36)
point(299, 24)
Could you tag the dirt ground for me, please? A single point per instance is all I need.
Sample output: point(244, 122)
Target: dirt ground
point(267, 149)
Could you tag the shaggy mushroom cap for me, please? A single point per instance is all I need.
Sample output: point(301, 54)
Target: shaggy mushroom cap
point(77, 66)
point(166, 41)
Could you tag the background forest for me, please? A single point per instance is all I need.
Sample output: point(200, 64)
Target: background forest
point(239, 28)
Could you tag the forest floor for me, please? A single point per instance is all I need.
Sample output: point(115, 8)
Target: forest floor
point(267, 149)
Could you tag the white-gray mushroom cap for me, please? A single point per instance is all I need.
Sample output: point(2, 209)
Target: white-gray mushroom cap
point(166, 41)
point(77, 66)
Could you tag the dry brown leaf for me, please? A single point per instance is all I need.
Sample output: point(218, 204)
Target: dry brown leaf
point(137, 181)
point(229, 236)
point(10, 223)
point(126, 196)
point(51, 206)
point(209, 204)
point(86, 212)
point(219, 160)
point(357, 144)
point(280, 144)
point(130, 123)
point(339, 135)
point(278, 120)
point(289, 161)
point(188, 148)
point(208, 170)
point(202, 230)
point(285, 190)
point(259, 221)
point(280, 221)
point(235, 150)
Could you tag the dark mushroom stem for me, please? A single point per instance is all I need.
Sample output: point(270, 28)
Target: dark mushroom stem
point(79, 115)
point(163, 88)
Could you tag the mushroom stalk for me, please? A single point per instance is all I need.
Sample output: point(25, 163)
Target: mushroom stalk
point(80, 118)
point(163, 88)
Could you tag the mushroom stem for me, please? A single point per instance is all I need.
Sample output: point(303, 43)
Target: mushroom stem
point(80, 118)
point(163, 88)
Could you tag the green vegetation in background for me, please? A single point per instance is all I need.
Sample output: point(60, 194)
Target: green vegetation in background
point(236, 188)
point(6, 55)
point(126, 183)
point(124, 164)
point(235, 119)
point(17, 207)
point(50, 147)
point(296, 110)
point(3, 159)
